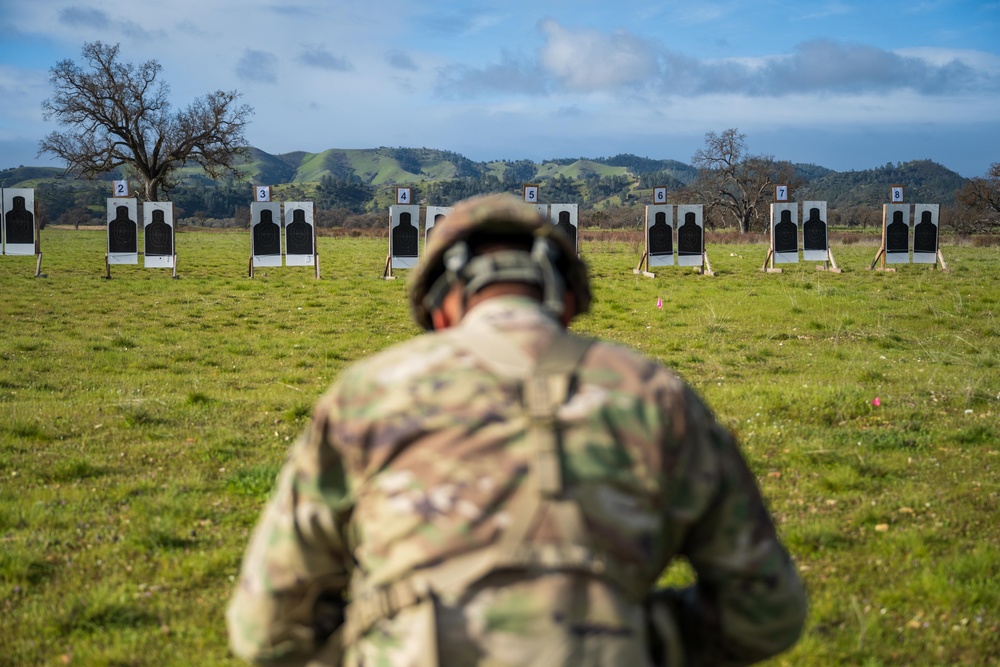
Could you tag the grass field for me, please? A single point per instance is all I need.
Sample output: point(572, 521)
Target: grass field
point(142, 421)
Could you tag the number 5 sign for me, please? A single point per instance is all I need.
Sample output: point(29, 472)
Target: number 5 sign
point(262, 192)
point(531, 194)
point(896, 194)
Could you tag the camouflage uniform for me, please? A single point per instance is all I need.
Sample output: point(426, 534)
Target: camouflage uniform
point(419, 460)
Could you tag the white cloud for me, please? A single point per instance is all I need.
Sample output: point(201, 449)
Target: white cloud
point(589, 60)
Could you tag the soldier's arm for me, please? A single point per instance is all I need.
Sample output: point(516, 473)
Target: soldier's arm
point(748, 603)
point(294, 571)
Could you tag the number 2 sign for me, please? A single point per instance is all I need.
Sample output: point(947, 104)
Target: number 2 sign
point(121, 188)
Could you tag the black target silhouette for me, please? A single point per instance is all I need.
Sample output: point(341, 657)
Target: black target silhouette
point(159, 236)
point(689, 237)
point(925, 236)
point(567, 228)
point(786, 238)
point(122, 234)
point(897, 234)
point(20, 223)
point(298, 234)
point(404, 237)
point(814, 232)
point(266, 235)
point(437, 219)
point(661, 240)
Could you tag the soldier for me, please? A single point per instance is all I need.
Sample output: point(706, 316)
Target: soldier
point(502, 492)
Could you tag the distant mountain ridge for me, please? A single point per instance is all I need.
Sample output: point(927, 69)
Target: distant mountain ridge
point(382, 167)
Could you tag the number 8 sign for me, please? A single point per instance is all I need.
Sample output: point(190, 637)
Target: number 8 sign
point(896, 194)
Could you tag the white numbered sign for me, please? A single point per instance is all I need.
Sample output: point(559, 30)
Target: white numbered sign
point(121, 188)
point(531, 194)
point(781, 193)
point(262, 193)
point(896, 194)
point(659, 195)
point(404, 196)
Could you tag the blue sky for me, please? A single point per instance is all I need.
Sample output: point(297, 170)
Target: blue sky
point(843, 84)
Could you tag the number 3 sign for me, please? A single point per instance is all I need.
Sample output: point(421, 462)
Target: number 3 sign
point(262, 193)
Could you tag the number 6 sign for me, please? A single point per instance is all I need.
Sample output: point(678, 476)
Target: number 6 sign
point(896, 194)
point(262, 192)
point(659, 195)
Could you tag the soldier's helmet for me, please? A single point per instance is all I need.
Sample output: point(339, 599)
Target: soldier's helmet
point(531, 250)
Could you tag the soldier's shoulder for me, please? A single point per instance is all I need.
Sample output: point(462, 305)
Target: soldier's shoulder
point(622, 363)
point(398, 363)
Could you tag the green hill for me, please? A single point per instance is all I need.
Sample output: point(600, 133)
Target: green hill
point(925, 181)
point(362, 180)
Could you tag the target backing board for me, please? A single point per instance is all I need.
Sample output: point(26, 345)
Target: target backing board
point(300, 234)
point(690, 235)
point(925, 233)
point(432, 215)
point(403, 236)
point(566, 218)
point(896, 233)
point(265, 233)
point(158, 235)
point(18, 221)
point(815, 236)
point(785, 232)
point(123, 236)
point(660, 235)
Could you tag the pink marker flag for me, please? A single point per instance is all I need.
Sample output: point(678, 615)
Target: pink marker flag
point(659, 302)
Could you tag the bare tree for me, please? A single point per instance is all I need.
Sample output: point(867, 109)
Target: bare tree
point(119, 115)
point(983, 193)
point(739, 184)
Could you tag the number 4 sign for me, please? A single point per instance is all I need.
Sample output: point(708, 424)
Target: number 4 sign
point(896, 194)
point(403, 195)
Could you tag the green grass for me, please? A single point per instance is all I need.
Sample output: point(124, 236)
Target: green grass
point(143, 420)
